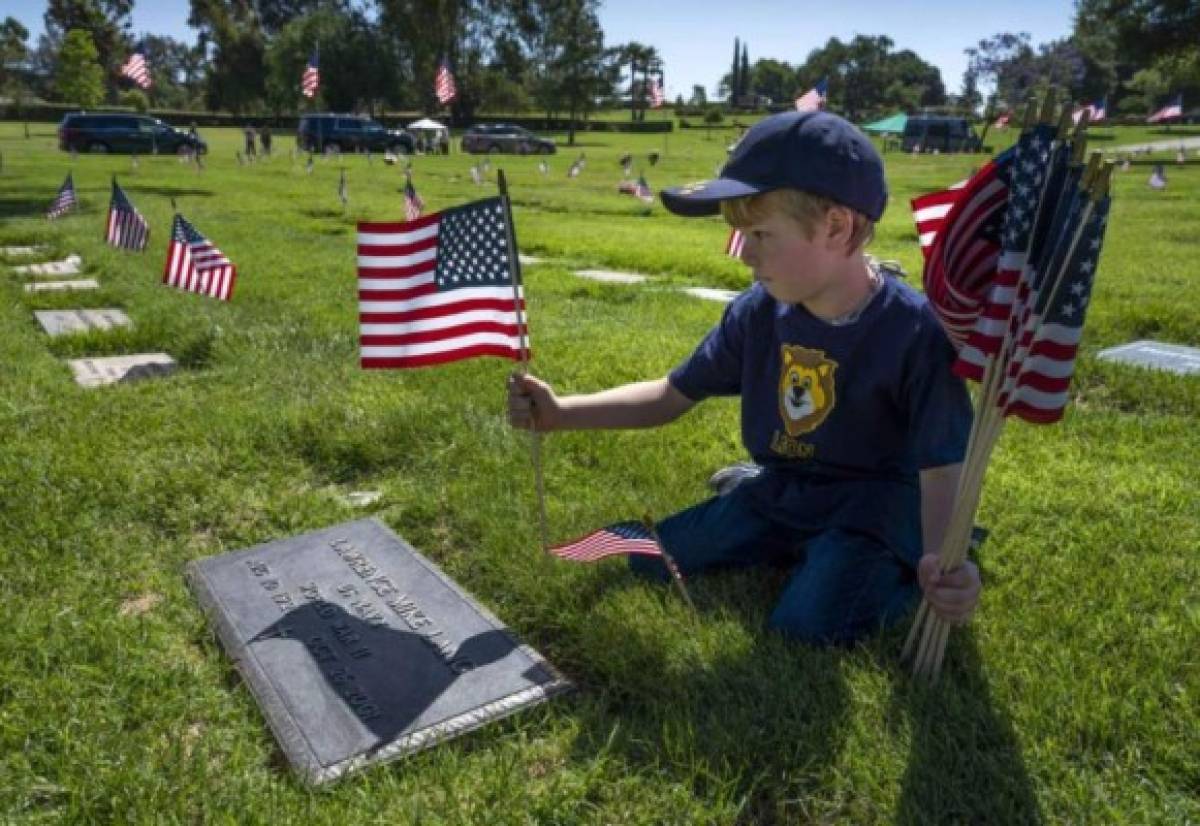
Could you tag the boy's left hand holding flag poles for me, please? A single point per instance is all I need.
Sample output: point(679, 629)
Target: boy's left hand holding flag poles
point(445, 287)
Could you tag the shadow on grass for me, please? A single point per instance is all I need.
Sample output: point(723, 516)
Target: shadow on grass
point(170, 191)
point(24, 207)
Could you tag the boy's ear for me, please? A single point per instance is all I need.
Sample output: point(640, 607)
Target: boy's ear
point(839, 225)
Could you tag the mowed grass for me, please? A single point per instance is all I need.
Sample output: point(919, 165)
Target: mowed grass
point(1072, 697)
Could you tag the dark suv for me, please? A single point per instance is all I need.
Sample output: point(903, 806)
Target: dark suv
point(81, 131)
point(505, 137)
point(350, 133)
point(926, 133)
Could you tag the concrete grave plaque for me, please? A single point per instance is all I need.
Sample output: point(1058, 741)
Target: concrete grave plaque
point(711, 294)
point(65, 322)
point(112, 369)
point(611, 276)
point(68, 266)
point(359, 650)
point(1174, 358)
point(529, 260)
point(60, 286)
point(22, 250)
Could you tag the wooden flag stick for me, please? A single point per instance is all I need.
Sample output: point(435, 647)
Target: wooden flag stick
point(535, 438)
point(669, 562)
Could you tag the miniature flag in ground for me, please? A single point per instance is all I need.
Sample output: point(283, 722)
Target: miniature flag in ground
point(1002, 121)
point(1096, 112)
point(656, 93)
point(65, 201)
point(443, 83)
point(621, 538)
point(733, 247)
point(476, 175)
point(195, 265)
point(127, 229)
point(308, 166)
point(543, 167)
point(310, 81)
point(137, 69)
point(1172, 110)
point(576, 167)
point(814, 98)
point(413, 205)
point(343, 193)
point(1158, 178)
point(642, 190)
point(438, 289)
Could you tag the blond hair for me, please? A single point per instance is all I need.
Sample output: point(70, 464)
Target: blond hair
point(806, 209)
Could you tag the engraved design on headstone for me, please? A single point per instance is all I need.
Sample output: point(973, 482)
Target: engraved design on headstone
point(95, 372)
point(61, 286)
point(359, 650)
point(1175, 358)
point(68, 266)
point(66, 322)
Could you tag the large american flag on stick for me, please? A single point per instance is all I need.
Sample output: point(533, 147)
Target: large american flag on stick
point(439, 288)
point(126, 228)
point(443, 83)
point(621, 538)
point(195, 265)
point(65, 201)
point(310, 81)
point(137, 68)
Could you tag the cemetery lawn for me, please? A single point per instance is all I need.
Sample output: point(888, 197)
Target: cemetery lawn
point(1074, 695)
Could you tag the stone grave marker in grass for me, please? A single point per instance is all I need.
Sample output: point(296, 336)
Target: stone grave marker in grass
point(66, 322)
point(68, 266)
point(612, 276)
point(1174, 358)
point(61, 286)
point(96, 372)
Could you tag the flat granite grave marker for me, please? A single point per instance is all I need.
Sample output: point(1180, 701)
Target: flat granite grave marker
point(66, 322)
point(67, 266)
point(712, 294)
point(22, 250)
point(1158, 355)
point(359, 650)
point(96, 372)
point(60, 286)
point(612, 276)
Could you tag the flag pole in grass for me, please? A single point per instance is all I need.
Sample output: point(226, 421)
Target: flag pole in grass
point(535, 438)
point(1022, 347)
point(668, 561)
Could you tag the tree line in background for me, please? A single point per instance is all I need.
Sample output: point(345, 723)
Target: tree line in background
point(550, 55)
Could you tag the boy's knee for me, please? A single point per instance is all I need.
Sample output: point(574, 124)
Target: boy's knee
point(650, 567)
point(811, 627)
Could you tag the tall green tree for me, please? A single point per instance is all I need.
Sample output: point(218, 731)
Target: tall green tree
point(735, 82)
point(744, 73)
point(867, 78)
point(1145, 30)
point(79, 78)
point(12, 46)
point(230, 30)
point(107, 21)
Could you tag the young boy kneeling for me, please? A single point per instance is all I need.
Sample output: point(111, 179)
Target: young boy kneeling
point(848, 403)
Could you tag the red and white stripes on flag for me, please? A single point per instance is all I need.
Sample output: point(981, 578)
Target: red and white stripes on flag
point(443, 84)
point(733, 247)
point(137, 69)
point(656, 94)
point(814, 98)
point(126, 228)
point(310, 81)
point(621, 538)
point(195, 265)
point(929, 214)
point(439, 289)
point(413, 205)
point(65, 201)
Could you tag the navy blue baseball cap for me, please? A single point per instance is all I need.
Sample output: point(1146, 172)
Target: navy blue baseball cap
point(817, 152)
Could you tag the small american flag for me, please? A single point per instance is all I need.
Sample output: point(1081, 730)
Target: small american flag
point(642, 190)
point(413, 205)
point(127, 229)
point(814, 98)
point(65, 201)
point(476, 175)
point(621, 538)
point(343, 192)
point(443, 83)
point(576, 167)
point(1002, 121)
point(136, 68)
point(733, 247)
point(310, 81)
point(1158, 178)
point(439, 289)
point(1172, 110)
point(656, 93)
point(543, 167)
point(195, 265)
point(1096, 112)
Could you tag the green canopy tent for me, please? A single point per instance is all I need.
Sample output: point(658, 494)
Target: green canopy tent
point(894, 125)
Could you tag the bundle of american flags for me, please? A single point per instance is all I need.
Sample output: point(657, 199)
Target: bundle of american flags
point(1011, 258)
point(194, 264)
point(444, 87)
point(126, 228)
point(65, 201)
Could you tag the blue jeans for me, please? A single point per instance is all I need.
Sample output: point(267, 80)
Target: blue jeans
point(842, 587)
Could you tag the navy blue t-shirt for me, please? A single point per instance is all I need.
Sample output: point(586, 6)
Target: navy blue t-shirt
point(842, 417)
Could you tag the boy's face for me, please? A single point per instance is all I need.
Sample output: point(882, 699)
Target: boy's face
point(792, 267)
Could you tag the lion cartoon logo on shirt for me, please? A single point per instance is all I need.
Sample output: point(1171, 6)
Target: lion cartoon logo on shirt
point(805, 389)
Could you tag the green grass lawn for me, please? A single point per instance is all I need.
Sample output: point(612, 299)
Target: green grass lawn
point(1074, 696)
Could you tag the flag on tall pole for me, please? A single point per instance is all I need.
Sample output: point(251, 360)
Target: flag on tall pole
point(137, 68)
point(194, 264)
point(443, 83)
point(656, 93)
point(126, 228)
point(65, 201)
point(1172, 110)
point(814, 98)
point(310, 81)
point(439, 288)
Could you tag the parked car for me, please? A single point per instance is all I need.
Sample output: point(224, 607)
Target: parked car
point(86, 132)
point(926, 133)
point(350, 133)
point(505, 137)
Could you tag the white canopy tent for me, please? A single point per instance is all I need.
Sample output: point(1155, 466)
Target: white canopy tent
point(430, 132)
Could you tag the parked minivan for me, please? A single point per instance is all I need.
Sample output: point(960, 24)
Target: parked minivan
point(114, 132)
point(925, 133)
point(350, 133)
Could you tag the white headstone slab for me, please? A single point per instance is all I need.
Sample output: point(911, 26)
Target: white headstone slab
point(1157, 355)
point(529, 260)
point(60, 286)
point(66, 322)
point(611, 277)
point(22, 250)
point(68, 266)
point(710, 294)
point(99, 371)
